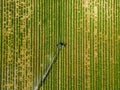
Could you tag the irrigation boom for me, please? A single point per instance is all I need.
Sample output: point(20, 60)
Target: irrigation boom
point(59, 46)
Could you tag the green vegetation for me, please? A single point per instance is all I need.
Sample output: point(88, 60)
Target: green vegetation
point(31, 29)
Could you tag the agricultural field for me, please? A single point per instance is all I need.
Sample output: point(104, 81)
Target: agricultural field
point(31, 29)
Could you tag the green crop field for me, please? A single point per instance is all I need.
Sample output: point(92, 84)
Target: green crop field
point(31, 29)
